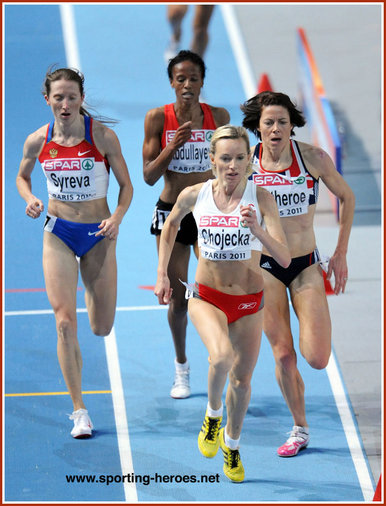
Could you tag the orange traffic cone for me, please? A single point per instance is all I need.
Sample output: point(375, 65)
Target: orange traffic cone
point(378, 490)
point(264, 84)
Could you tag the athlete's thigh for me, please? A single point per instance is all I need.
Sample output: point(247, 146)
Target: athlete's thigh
point(202, 15)
point(212, 326)
point(176, 10)
point(60, 269)
point(98, 268)
point(309, 301)
point(277, 322)
point(245, 335)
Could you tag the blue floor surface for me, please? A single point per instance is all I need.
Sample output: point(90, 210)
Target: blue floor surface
point(121, 54)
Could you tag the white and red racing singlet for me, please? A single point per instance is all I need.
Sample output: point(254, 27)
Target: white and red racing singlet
point(77, 173)
point(193, 156)
point(294, 188)
point(222, 236)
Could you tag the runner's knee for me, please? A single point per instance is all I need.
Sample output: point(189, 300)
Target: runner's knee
point(101, 329)
point(285, 356)
point(318, 360)
point(199, 31)
point(222, 361)
point(178, 306)
point(66, 328)
point(240, 382)
point(316, 351)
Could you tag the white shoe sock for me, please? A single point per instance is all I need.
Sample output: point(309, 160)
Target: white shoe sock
point(214, 413)
point(233, 444)
point(181, 367)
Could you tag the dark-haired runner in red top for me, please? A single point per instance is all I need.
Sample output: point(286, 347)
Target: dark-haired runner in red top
point(176, 147)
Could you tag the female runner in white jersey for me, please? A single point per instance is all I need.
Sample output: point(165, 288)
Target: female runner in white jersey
point(228, 293)
point(76, 153)
point(291, 170)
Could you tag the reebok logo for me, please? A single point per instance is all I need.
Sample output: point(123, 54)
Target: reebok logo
point(247, 305)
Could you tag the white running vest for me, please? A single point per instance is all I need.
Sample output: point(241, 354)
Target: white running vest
point(222, 236)
point(294, 188)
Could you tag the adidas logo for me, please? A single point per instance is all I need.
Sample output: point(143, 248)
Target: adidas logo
point(266, 265)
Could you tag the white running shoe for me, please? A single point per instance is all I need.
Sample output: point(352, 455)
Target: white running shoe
point(82, 424)
point(180, 388)
point(171, 51)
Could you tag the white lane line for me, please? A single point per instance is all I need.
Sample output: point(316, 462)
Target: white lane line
point(69, 35)
point(349, 428)
point(120, 415)
point(342, 403)
point(239, 50)
point(130, 491)
point(118, 397)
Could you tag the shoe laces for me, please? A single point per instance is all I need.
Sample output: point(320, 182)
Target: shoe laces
point(213, 426)
point(233, 458)
point(297, 435)
point(77, 414)
point(181, 378)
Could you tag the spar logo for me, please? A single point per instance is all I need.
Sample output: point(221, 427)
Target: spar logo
point(87, 164)
point(270, 180)
point(62, 164)
point(300, 180)
point(197, 135)
point(219, 221)
point(209, 135)
point(68, 164)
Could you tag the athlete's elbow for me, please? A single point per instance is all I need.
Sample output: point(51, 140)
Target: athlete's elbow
point(285, 260)
point(149, 179)
point(148, 173)
point(349, 201)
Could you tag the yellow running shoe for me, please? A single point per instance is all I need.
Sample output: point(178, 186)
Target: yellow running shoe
point(208, 441)
point(233, 467)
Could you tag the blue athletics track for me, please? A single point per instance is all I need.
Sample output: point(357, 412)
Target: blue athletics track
point(145, 443)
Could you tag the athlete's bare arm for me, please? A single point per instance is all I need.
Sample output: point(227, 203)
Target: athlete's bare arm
point(108, 144)
point(31, 150)
point(184, 205)
point(155, 160)
point(321, 165)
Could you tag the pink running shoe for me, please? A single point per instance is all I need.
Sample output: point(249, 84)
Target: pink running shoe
point(298, 440)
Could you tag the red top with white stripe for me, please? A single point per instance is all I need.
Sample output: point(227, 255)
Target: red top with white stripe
point(294, 188)
point(77, 173)
point(193, 156)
